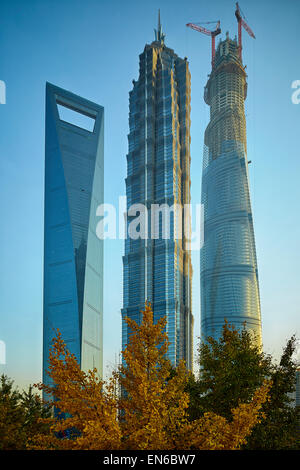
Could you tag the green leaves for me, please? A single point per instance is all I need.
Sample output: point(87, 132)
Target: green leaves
point(231, 369)
point(19, 415)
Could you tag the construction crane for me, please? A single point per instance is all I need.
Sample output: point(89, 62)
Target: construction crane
point(242, 22)
point(213, 34)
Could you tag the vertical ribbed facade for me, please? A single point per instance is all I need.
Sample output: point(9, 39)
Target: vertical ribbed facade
point(158, 172)
point(73, 254)
point(229, 275)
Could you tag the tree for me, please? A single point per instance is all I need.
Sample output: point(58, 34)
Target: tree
point(34, 410)
point(11, 416)
point(280, 428)
point(214, 432)
point(231, 369)
point(151, 412)
point(153, 403)
point(19, 415)
point(85, 406)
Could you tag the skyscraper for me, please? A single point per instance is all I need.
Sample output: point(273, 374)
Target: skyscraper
point(73, 255)
point(158, 269)
point(229, 275)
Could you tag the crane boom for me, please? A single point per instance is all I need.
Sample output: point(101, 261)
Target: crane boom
point(248, 29)
point(201, 29)
point(242, 22)
point(212, 34)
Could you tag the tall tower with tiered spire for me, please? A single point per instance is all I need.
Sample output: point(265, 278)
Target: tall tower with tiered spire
point(158, 172)
point(229, 275)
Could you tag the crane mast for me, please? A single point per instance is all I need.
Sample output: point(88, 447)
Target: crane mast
point(242, 23)
point(210, 33)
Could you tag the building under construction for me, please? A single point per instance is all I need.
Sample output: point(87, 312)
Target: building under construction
point(229, 276)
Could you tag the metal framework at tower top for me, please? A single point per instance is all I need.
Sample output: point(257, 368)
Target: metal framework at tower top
point(213, 33)
point(208, 32)
point(242, 22)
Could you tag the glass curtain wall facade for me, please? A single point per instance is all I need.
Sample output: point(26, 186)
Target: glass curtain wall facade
point(158, 172)
point(229, 275)
point(73, 255)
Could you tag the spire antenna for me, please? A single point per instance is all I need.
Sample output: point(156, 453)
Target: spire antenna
point(159, 35)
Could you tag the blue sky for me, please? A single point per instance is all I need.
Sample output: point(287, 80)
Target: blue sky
point(92, 48)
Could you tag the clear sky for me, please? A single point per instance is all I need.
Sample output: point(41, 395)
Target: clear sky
point(91, 48)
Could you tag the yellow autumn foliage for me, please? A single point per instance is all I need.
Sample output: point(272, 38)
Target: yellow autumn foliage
point(149, 413)
point(87, 415)
point(214, 432)
point(153, 403)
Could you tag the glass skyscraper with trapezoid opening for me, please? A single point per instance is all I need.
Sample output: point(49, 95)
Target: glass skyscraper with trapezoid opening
point(73, 254)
